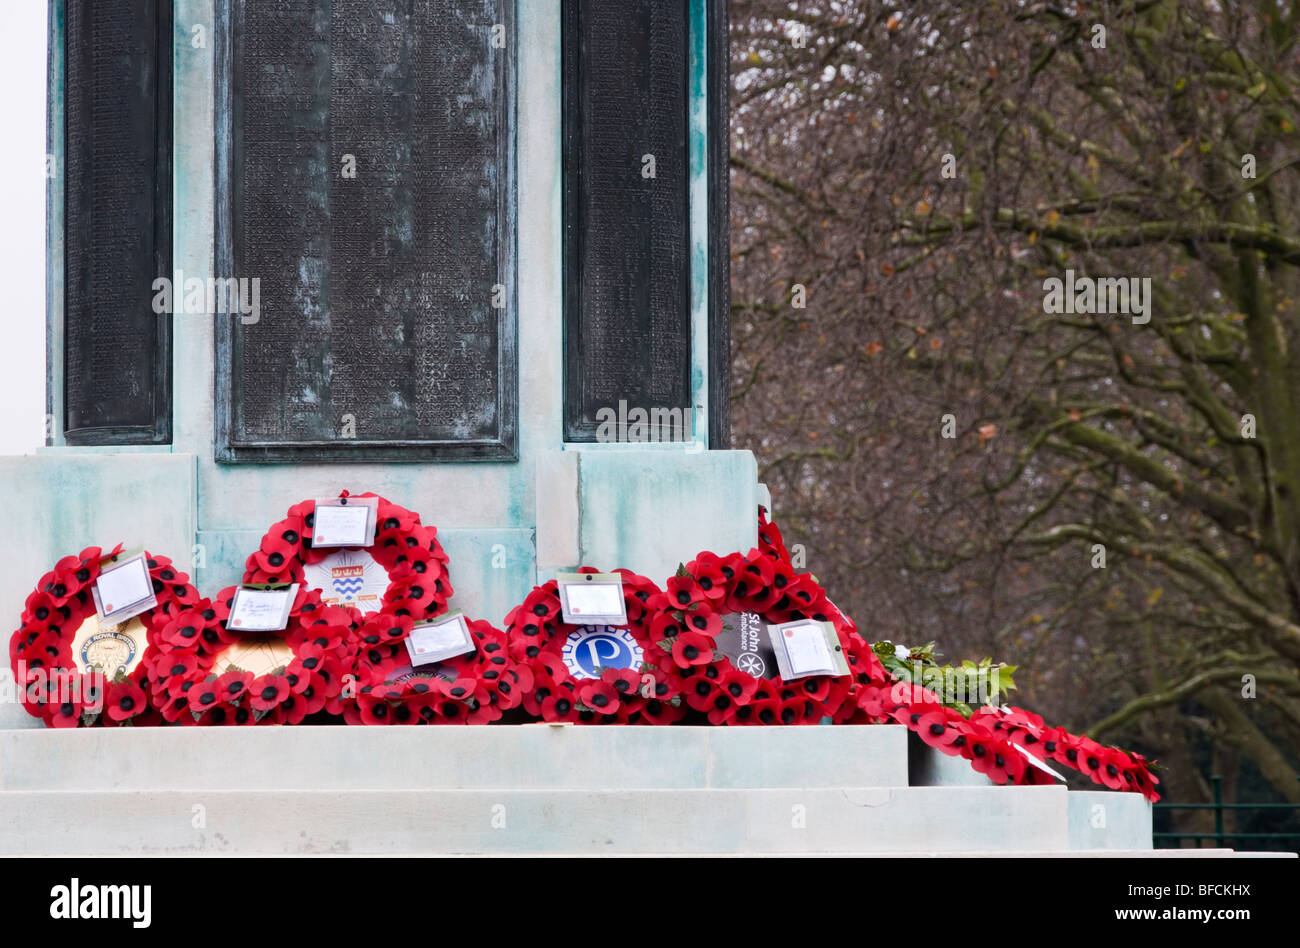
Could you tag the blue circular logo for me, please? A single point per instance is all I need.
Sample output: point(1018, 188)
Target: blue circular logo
point(591, 648)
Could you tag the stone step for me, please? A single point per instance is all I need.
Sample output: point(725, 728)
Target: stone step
point(1025, 854)
point(1104, 820)
point(1099, 819)
point(841, 820)
point(527, 757)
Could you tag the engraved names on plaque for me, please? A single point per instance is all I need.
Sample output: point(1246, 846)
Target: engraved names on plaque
point(116, 177)
point(365, 147)
point(627, 216)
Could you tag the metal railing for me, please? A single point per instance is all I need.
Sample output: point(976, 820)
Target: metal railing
point(1220, 837)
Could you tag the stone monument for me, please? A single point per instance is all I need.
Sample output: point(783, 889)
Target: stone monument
point(471, 256)
point(420, 249)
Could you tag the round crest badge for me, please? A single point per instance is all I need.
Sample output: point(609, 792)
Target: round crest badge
point(590, 648)
point(113, 648)
point(349, 578)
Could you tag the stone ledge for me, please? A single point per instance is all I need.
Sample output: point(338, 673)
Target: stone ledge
point(451, 758)
point(846, 820)
point(1103, 819)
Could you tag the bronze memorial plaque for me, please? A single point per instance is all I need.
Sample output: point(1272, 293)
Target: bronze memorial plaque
point(365, 180)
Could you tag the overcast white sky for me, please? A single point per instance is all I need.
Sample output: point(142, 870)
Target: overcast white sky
point(22, 226)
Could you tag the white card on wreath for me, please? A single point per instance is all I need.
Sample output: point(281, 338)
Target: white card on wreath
point(344, 521)
point(807, 647)
point(124, 590)
point(592, 598)
point(258, 609)
point(439, 639)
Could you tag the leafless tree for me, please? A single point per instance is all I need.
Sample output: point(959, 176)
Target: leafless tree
point(906, 178)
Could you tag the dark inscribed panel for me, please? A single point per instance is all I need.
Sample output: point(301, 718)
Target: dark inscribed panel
point(719, 86)
point(627, 318)
point(117, 221)
point(367, 169)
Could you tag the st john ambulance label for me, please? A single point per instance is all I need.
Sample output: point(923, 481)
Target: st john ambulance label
point(743, 639)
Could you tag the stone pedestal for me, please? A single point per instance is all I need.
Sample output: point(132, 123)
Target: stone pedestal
point(516, 491)
point(534, 789)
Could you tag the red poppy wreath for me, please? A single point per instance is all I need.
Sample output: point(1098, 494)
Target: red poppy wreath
point(206, 674)
point(474, 688)
point(998, 742)
point(75, 670)
point(592, 674)
point(1111, 767)
point(403, 572)
point(709, 634)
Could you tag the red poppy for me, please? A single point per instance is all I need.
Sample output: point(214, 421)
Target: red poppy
point(772, 594)
point(722, 706)
point(699, 689)
point(182, 594)
point(544, 687)
point(681, 591)
point(752, 580)
point(540, 607)
point(64, 582)
point(172, 668)
point(266, 692)
point(1069, 750)
point(655, 710)
point(125, 700)
point(276, 559)
point(815, 687)
point(306, 661)
point(703, 621)
point(996, 759)
point(1115, 765)
point(601, 696)
point(183, 630)
point(739, 685)
point(692, 648)
point(1090, 757)
point(800, 710)
point(560, 706)
point(664, 625)
point(38, 607)
point(43, 651)
point(871, 701)
point(626, 682)
point(66, 713)
point(934, 730)
point(203, 697)
point(314, 696)
point(712, 581)
point(766, 711)
point(233, 684)
point(515, 684)
point(770, 540)
point(908, 715)
point(394, 520)
point(374, 710)
point(638, 591)
point(290, 711)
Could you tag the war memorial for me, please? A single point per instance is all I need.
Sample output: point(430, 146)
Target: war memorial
point(388, 383)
